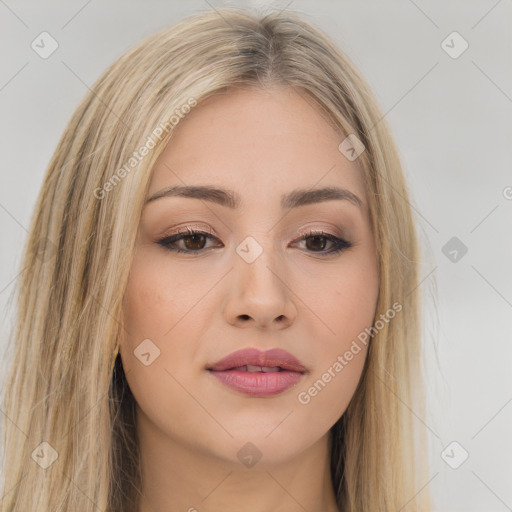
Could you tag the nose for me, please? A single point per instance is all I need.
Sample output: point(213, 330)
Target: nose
point(260, 295)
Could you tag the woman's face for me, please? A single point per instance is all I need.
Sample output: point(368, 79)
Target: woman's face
point(249, 280)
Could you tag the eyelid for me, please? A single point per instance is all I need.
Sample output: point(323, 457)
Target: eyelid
point(190, 228)
point(320, 230)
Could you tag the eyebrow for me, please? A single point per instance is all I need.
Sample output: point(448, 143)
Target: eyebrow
point(230, 199)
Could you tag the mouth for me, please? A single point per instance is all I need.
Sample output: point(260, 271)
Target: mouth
point(254, 368)
point(259, 374)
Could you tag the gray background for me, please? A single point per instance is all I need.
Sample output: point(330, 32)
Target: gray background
point(451, 119)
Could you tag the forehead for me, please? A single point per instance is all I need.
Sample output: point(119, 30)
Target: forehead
point(261, 142)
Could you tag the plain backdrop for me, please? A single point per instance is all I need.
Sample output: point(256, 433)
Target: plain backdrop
point(450, 113)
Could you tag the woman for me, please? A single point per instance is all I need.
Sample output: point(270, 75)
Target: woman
point(220, 303)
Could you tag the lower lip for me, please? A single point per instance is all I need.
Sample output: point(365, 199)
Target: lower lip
point(258, 384)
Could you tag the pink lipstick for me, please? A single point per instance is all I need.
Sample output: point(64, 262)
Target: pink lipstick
point(259, 374)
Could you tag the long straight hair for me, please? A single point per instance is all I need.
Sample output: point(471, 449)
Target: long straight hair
point(70, 441)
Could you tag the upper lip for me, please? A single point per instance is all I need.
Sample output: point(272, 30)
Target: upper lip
point(255, 357)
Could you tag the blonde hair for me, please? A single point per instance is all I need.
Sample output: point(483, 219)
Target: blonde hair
point(61, 389)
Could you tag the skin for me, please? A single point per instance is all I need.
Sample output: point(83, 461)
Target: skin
point(197, 309)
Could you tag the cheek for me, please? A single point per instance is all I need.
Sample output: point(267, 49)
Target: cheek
point(156, 302)
point(358, 288)
point(165, 303)
point(347, 312)
point(347, 298)
point(347, 308)
point(155, 299)
point(154, 305)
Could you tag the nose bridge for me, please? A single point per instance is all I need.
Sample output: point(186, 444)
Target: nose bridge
point(257, 264)
point(258, 286)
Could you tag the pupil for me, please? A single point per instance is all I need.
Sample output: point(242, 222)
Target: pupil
point(195, 239)
point(318, 237)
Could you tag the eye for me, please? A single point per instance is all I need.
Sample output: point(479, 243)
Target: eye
point(320, 238)
point(194, 242)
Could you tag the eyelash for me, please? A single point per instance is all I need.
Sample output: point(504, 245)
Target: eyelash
point(339, 243)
